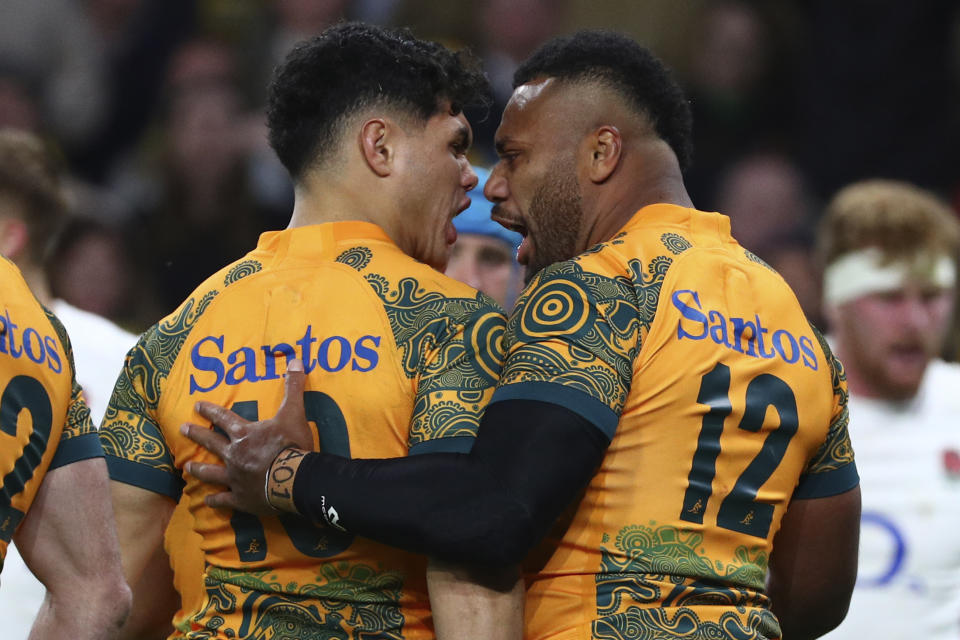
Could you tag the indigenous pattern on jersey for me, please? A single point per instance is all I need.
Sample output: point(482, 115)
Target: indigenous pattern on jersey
point(44, 423)
point(721, 403)
point(406, 359)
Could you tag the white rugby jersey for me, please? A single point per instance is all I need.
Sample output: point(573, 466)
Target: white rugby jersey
point(908, 456)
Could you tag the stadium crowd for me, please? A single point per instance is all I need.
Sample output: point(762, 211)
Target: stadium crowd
point(154, 114)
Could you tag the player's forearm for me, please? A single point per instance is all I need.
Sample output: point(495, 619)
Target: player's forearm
point(85, 613)
point(443, 505)
point(87, 595)
point(472, 603)
point(806, 621)
point(490, 506)
point(813, 566)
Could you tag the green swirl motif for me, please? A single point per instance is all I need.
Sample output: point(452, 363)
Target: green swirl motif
point(347, 601)
point(78, 414)
point(356, 257)
point(755, 258)
point(424, 321)
point(675, 243)
point(558, 307)
point(837, 450)
point(128, 431)
point(647, 284)
point(665, 568)
point(78, 421)
point(638, 623)
point(597, 248)
point(451, 346)
point(581, 329)
point(241, 270)
point(133, 437)
point(153, 357)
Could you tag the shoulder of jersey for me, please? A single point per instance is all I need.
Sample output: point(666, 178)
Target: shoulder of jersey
point(386, 267)
point(14, 272)
point(215, 284)
point(632, 252)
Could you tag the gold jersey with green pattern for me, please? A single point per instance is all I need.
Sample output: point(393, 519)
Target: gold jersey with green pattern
point(44, 421)
point(406, 359)
point(721, 402)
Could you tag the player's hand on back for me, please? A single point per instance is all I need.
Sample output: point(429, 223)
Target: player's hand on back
point(249, 448)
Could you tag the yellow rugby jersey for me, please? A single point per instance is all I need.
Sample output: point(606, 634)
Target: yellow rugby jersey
point(184, 549)
point(721, 402)
point(44, 421)
point(391, 343)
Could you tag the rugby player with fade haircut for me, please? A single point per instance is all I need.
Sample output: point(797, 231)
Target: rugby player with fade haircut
point(668, 426)
point(399, 359)
point(890, 250)
point(54, 500)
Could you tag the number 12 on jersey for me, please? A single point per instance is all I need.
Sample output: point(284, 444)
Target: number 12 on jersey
point(739, 510)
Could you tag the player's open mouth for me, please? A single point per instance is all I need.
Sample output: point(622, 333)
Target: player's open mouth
point(515, 226)
point(503, 221)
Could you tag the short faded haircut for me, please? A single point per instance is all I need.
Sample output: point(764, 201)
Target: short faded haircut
point(618, 62)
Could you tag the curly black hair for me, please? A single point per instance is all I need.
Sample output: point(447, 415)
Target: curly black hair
point(618, 62)
point(352, 65)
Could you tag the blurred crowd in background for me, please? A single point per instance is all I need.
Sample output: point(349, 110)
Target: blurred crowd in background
point(155, 108)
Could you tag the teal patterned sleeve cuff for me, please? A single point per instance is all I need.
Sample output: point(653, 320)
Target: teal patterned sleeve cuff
point(454, 444)
point(827, 483)
point(145, 477)
point(583, 404)
point(456, 376)
point(76, 449)
point(575, 331)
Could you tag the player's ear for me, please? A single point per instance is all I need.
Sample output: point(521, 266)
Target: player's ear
point(605, 146)
point(14, 237)
point(377, 145)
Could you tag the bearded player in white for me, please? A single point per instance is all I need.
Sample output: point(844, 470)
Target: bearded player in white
point(890, 254)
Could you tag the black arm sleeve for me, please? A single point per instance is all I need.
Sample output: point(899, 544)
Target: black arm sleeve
point(490, 506)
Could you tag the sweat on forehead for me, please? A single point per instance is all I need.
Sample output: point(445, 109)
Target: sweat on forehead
point(617, 61)
point(576, 106)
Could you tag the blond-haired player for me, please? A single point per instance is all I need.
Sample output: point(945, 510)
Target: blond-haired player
point(890, 250)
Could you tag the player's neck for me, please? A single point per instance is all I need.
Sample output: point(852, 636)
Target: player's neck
point(630, 192)
point(319, 201)
point(36, 279)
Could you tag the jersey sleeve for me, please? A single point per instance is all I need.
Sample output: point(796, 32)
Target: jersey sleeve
point(832, 470)
point(571, 341)
point(457, 374)
point(133, 443)
point(78, 440)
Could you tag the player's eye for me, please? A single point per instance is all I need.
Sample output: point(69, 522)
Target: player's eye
point(489, 257)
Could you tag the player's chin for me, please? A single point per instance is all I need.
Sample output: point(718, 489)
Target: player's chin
point(441, 260)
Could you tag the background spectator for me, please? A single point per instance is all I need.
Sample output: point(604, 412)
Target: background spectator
point(168, 127)
point(485, 253)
